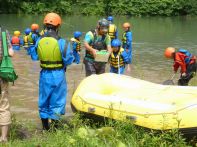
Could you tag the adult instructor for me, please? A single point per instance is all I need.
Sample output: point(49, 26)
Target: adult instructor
point(96, 40)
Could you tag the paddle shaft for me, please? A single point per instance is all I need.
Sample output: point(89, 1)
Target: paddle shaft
point(172, 77)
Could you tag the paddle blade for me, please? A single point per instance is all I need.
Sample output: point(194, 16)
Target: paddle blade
point(168, 82)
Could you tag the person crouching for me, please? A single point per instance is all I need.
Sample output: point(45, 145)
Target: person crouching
point(184, 59)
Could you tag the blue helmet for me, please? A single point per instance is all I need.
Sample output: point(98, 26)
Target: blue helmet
point(77, 34)
point(110, 18)
point(116, 43)
point(27, 31)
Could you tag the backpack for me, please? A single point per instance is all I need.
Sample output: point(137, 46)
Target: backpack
point(187, 53)
point(7, 72)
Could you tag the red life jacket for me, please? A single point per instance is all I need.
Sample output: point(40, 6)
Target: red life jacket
point(15, 40)
point(179, 60)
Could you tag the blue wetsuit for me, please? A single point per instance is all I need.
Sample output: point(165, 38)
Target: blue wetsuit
point(52, 83)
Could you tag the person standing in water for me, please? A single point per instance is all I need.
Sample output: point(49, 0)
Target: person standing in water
point(118, 58)
point(127, 42)
point(96, 40)
point(184, 59)
point(76, 45)
point(113, 31)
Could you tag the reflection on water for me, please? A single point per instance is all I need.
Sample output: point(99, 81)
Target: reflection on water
point(151, 36)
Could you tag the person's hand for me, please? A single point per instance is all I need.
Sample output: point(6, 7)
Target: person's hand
point(94, 52)
point(128, 68)
point(11, 52)
point(183, 74)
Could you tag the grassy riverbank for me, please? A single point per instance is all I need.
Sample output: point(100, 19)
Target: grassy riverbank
point(79, 132)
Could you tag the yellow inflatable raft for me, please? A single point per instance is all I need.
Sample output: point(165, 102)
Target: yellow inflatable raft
point(149, 105)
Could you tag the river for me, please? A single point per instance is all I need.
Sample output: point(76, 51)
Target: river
point(151, 35)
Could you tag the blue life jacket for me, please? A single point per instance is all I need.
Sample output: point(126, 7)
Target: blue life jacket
point(187, 53)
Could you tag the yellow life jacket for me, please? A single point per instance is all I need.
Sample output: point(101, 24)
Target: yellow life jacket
point(111, 31)
point(30, 39)
point(114, 59)
point(124, 38)
point(49, 53)
point(78, 48)
point(42, 32)
point(25, 38)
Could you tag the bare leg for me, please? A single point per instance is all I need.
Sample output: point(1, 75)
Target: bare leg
point(4, 133)
point(128, 69)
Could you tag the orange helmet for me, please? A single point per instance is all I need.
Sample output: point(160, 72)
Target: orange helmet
point(53, 19)
point(169, 51)
point(34, 27)
point(17, 33)
point(126, 25)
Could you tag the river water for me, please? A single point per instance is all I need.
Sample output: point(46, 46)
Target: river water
point(151, 35)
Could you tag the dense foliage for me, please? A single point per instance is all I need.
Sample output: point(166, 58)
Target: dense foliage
point(102, 7)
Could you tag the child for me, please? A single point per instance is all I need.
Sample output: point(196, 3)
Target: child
point(185, 60)
point(113, 31)
point(33, 37)
point(127, 42)
point(118, 58)
point(25, 38)
point(16, 41)
point(76, 45)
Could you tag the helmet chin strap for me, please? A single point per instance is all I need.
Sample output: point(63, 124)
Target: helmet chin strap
point(99, 30)
point(51, 28)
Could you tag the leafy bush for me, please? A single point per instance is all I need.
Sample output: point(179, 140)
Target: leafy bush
point(103, 7)
point(83, 132)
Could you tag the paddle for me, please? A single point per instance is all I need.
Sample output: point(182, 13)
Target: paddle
point(169, 81)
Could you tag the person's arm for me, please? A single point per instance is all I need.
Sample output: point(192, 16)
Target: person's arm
point(108, 44)
point(109, 49)
point(34, 54)
point(183, 68)
point(67, 54)
point(21, 41)
point(11, 52)
point(87, 40)
point(129, 38)
point(179, 61)
point(116, 33)
point(176, 66)
point(10, 49)
point(74, 46)
point(125, 57)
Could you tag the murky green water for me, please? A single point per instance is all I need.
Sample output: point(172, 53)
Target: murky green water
point(151, 36)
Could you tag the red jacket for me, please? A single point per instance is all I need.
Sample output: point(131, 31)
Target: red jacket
point(179, 60)
point(15, 40)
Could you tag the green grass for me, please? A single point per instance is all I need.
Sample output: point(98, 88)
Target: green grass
point(78, 132)
point(193, 81)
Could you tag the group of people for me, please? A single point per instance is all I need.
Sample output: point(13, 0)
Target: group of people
point(28, 40)
point(55, 54)
point(104, 36)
